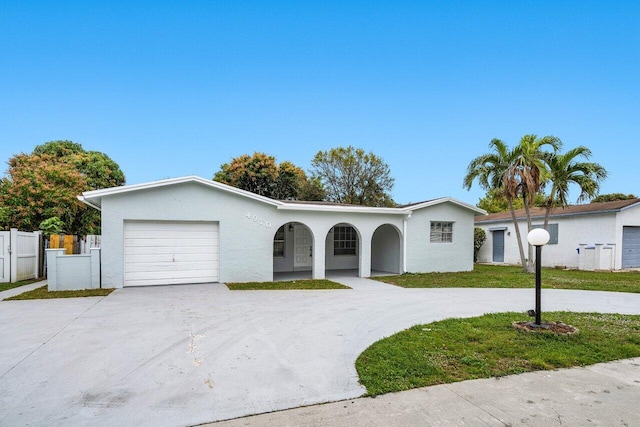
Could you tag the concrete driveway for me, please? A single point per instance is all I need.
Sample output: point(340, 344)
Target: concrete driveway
point(190, 354)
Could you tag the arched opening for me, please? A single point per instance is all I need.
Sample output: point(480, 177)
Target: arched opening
point(342, 250)
point(292, 252)
point(386, 252)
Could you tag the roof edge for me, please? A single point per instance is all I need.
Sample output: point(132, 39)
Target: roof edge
point(96, 195)
point(448, 199)
point(88, 203)
point(333, 208)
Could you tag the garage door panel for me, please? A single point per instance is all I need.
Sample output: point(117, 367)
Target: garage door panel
point(162, 281)
point(141, 250)
point(192, 275)
point(169, 243)
point(170, 257)
point(158, 253)
point(630, 247)
point(170, 266)
point(160, 234)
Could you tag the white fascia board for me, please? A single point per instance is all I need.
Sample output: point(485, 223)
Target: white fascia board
point(434, 202)
point(630, 206)
point(89, 203)
point(96, 195)
point(553, 216)
point(353, 209)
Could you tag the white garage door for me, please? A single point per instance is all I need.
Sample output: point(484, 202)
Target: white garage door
point(170, 252)
point(630, 247)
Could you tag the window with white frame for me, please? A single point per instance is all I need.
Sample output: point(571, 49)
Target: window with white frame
point(278, 243)
point(441, 232)
point(553, 232)
point(345, 240)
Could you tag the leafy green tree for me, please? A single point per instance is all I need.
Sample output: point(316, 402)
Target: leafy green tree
point(312, 190)
point(257, 173)
point(479, 237)
point(612, 197)
point(564, 170)
point(46, 184)
point(53, 225)
point(40, 187)
point(494, 202)
point(260, 174)
point(98, 168)
point(350, 175)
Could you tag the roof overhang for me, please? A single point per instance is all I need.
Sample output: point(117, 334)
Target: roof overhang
point(344, 209)
point(476, 210)
point(94, 198)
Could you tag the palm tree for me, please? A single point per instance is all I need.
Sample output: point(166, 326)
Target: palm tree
point(529, 173)
point(565, 170)
point(494, 172)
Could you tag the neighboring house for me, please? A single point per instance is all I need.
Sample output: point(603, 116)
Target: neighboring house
point(594, 236)
point(193, 230)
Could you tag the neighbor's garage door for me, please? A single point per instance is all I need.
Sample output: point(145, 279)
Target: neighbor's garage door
point(170, 252)
point(630, 247)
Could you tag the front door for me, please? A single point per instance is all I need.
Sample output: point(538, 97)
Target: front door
point(498, 246)
point(302, 247)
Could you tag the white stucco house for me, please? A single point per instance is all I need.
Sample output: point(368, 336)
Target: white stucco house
point(194, 230)
point(596, 236)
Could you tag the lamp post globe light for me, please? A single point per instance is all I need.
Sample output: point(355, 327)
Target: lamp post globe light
point(538, 237)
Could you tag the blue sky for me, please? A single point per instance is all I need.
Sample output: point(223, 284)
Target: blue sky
point(177, 88)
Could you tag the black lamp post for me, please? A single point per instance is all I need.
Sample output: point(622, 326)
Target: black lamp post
point(538, 237)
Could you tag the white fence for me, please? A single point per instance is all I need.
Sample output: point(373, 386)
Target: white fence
point(19, 255)
point(73, 272)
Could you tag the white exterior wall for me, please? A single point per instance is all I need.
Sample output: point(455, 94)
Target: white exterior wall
point(73, 272)
point(423, 256)
point(586, 229)
point(246, 239)
point(246, 227)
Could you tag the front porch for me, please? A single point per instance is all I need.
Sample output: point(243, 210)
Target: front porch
point(330, 274)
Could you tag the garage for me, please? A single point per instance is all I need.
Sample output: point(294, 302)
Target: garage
point(170, 252)
point(630, 247)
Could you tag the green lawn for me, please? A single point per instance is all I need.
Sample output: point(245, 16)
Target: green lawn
point(488, 346)
point(287, 285)
point(7, 286)
point(494, 276)
point(43, 293)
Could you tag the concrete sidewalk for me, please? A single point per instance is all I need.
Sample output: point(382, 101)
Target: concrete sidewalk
point(22, 289)
point(606, 394)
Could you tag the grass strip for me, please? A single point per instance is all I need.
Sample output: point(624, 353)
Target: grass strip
point(286, 285)
point(496, 276)
point(43, 293)
point(488, 346)
point(7, 286)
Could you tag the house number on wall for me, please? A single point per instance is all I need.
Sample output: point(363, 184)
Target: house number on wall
point(258, 220)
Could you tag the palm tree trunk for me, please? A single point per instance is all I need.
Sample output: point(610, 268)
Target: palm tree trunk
point(547, 213)
point(530, 266)
point(523, 261)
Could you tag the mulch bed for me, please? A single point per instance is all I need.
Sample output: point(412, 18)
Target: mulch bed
point(552, 327)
